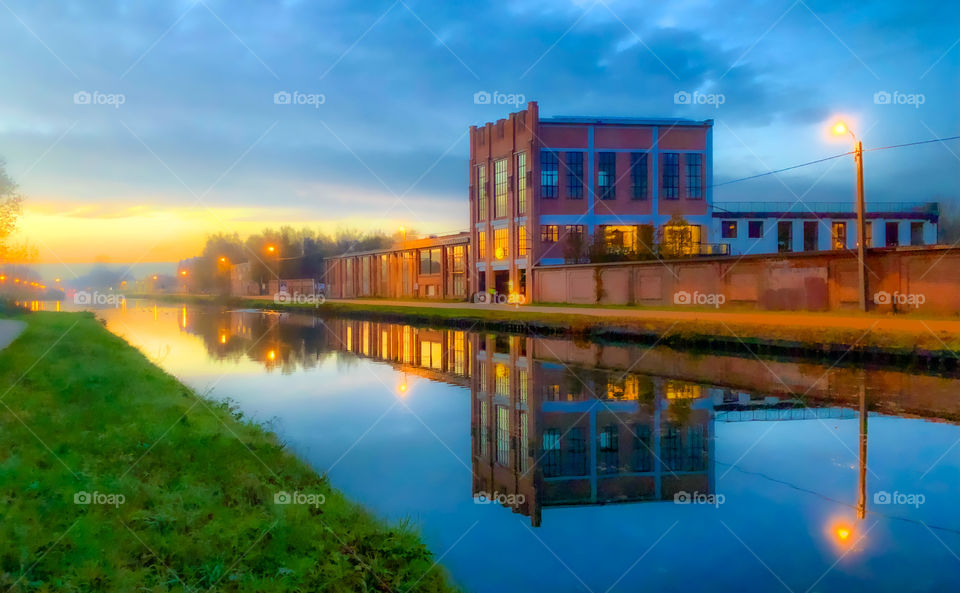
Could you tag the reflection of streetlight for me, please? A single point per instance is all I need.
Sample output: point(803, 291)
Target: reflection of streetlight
point(840, 128)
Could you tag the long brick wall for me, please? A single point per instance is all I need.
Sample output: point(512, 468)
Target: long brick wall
point(925, 279)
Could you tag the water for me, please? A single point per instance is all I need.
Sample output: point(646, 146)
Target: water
point(685, 473)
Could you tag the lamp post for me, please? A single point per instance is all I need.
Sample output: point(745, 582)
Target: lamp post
point(841, 128)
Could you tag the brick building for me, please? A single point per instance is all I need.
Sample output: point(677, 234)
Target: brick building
point(547, 190)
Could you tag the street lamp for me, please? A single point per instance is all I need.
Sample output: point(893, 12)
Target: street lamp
point(840, 128)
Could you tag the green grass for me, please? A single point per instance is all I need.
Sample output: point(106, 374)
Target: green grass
point(82, 411)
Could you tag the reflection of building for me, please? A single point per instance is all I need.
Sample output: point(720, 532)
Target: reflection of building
point(538, 432)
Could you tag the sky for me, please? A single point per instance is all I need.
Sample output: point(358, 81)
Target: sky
point(136, 128)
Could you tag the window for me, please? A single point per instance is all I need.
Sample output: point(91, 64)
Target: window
point(549, 177)
point(671, 175)
point(620, 239)
point(810, 235)
point(575, 175)
point(522, 248)
point(893, 234)
point(607, 175)
point(481, 192)
point(503, 436)
point(458, 270)
point(728, 229)
point(500, 188)
point(694, 175)
point(549, 233)
point(482, 245)
point(575, 230)
point(785, 236)
point(609, 450)
point(501, 245)
point(430, 261)
point(680, 239)
point(916, 233)
point(638, 174)
point(755, 229)
point(840, 235)
point(521, 183)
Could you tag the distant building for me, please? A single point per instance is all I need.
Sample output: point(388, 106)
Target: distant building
point(542, 190)
point(784, 227)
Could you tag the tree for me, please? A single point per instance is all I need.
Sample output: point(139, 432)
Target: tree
point(11, 207)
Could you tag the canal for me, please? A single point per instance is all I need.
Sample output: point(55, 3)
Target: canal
point(542, 464)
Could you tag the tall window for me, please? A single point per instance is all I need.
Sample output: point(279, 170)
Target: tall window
point(549, 233)
point(430, 261)
point(694, 175)
point(607, 175)
point(549, 176)
point(839, 235)
point(638, 174)
point(481, 192)
point(522, 247)
point(671, 175)
point(574, 174)
point(521, 183)
point(482, 245)
point(501, 244)
point(500, 188)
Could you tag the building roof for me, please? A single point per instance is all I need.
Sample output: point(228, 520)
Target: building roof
point(625, 121)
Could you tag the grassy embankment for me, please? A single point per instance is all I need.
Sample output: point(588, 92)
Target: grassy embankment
point(84, 412)
point(769, 333)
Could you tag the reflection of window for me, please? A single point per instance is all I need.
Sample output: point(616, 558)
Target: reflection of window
point(638, 174)
point(694, 175)
point(574, 174)
point(501, 244)
point(607, 175)
point(575, 463)
point(523, 445)
point(502, 380)
point(549, 176)
point(481, 192)
point(458, 352)
point(484, 427)
point(430, 355)
point(522, 386)
point(503, 435)
point(642, 450)
point(458, 269)
point(609, 452)
point(680, 390)
point(551, 452)
point(521, 183)
point(671, 175)
point(500, 188)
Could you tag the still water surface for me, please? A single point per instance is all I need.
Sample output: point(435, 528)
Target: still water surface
point(613, 468)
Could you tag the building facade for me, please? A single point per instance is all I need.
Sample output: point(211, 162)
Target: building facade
point(431, 267)
point(771, 227)
point(548, 190)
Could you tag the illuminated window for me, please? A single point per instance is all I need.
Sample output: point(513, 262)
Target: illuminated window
point(671, 175)
point(522, 385)
point(502, 380)
point(482, 376)
point(728, 229)
point(482, 192)
point(682, 390)
point(638, 174)
point(482, 245)
point(522, 248)
point(681, 239)
point(574, 174)
point(431, 355)
point(694, 175)
point(500, 188)
point(549, 233)
point(458, 352)
point(607, 175)
point(501, 243)
point(620, 238)
point(503, 436)
point(839, 235)
point(521, 183)
point(549, 176)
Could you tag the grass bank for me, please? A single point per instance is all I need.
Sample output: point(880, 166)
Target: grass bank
point(770, 335)
point(116, 477)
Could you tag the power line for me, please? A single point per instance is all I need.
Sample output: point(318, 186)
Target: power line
point(836, 156)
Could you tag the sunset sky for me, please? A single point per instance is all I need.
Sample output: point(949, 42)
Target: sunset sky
point(198, 144)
